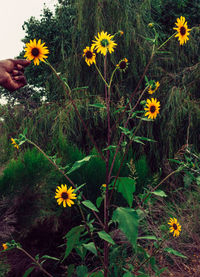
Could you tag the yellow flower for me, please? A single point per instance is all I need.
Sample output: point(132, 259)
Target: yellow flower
point(103, 185)
point(153, 87)
point(14, 143)
point(122, 65)
point(182, 29)
point(65, 195)
point(152, 108)
point(5, 246)
point(175, 227)
point(104, 43)
point(36, 51)
point(90, 56)
point(121, 33)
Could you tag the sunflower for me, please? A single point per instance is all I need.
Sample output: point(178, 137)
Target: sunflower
point(104, 43)
point(122, 65)
point(182, 29)
point(65, 195)
point(153, 87)
point(14, 143)
point(90, 56)
point(152, 108)
point(175, 227)
point(5, 246)
point(36, 51)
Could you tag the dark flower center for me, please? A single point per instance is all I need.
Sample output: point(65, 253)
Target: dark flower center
point(35, 52)
point(64, 195)
point(104, 42)
point(122, 65)
point(152, 109)
point(88, 54)
point(182, 31)
point(175, 226)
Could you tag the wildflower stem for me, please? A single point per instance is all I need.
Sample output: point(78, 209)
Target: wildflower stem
point(67, 90)
point(165, 42)
point(88, 229)
point(35, 261)
point(107, 96)
point(153, 254)
point(156, 187)
point(125, 125)
point(101, 75)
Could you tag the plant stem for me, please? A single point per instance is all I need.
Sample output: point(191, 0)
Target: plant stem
point(165, 42)
point(35, 261)
point(107, 96)
point(101, 75)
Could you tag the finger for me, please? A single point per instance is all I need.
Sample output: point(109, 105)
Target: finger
point(20, 79)
point(16, 72)
point(22, 62)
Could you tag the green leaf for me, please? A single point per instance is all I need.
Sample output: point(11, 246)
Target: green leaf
point(79, 88)
point(81, 271)
point(28, 271)
point(148, 237)
point(78, 188)
point(126, 186)
point(79, 163)
point(25, 131)
point(160, 193)
point(98, 106)
point(49, 257)
point(174, 252)
point(70, 270)
point(128, 274)
point(91, 247)
point(90, 205)
point(72, 239)
point(105, 236)
point(143, 138)
point(126, 131)
point(175, 161)
point(99, 201)
point(111, 147)
point(97, 274)
point(145, 118)
point(127, 219)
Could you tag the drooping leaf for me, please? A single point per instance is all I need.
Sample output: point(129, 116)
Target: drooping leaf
point(91, 247)
point(72, 239)
point(174, 252)
point(90, 205)
point(50, 257)
point(160, 193)
point(105, 236)
point(148, 237)
point(28, 271)
point(126, 186)
point(79, 163)
point(127, 220)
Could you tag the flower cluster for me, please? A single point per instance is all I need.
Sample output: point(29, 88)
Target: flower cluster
point(14, 143)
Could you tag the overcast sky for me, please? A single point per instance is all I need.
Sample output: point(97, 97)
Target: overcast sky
point(13, 13)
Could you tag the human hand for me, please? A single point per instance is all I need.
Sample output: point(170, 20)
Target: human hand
point(12, 73)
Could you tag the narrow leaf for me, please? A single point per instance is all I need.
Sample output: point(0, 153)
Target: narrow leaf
point(98, 106)
point(105, 236)
point(148, 237)
point(80, 163)
point(50, 257)
point(160, 193)
point(28, 271)
point(90, 205)
point(174, 252)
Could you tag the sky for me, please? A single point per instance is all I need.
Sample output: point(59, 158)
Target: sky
point(13, 13)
